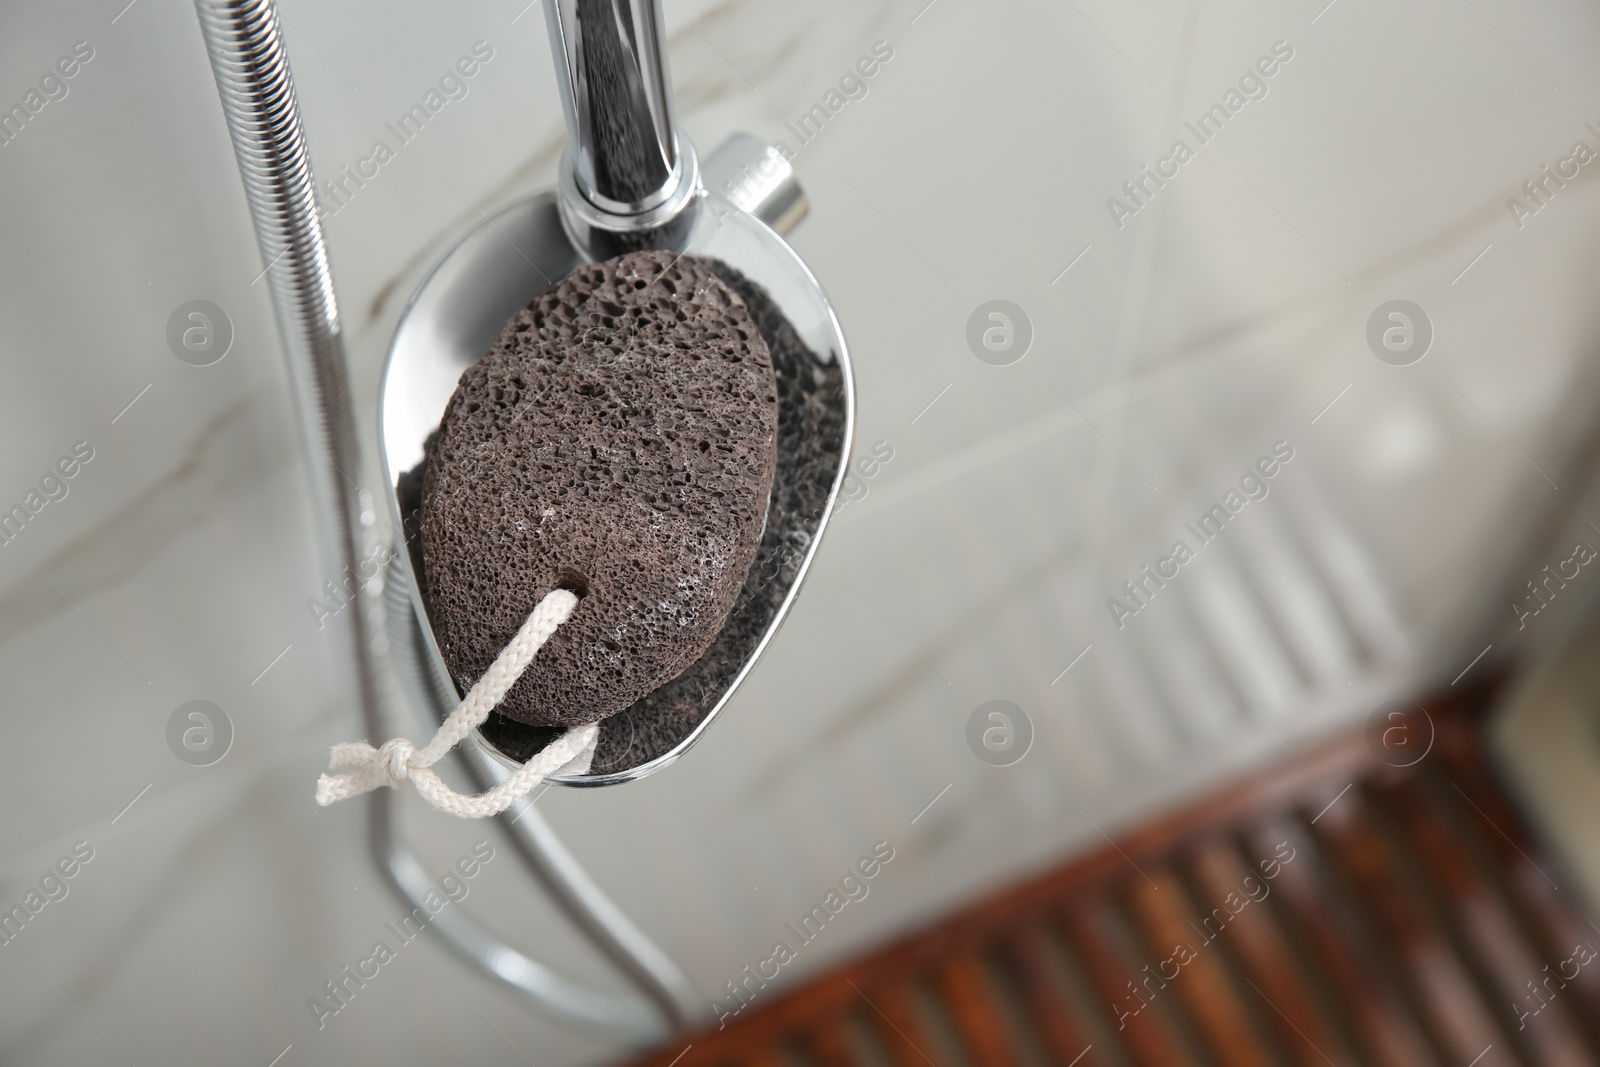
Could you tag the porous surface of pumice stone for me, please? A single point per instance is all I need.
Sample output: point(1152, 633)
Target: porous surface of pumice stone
point(811, 411)
point(811, 414)
point(617, 440)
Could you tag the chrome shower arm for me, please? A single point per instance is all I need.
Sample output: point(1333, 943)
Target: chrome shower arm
point(650, 970)
point(616, 93)
point(627, 170)
point(630, 1019)
point(607, 927)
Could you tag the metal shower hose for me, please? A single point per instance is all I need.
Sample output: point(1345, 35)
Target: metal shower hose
point(258, 99)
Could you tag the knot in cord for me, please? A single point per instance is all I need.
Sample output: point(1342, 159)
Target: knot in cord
point(398, 761)
point(393, 761)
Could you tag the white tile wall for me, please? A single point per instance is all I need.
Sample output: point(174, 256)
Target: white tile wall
point(1219, 320)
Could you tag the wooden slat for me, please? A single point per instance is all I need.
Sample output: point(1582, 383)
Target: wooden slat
point(1422, 886)
point(1483, 927)
point(1469, 799)
point(766, 1056)
point(968, 994)
point(862, 1033)
point(1374, 1015)
point(1140, 1019)
point(892, 1014)
point(1255, 942)
point(831, 1044)
point(1012, 1000)
point(1434, 980)
point(1051, 1001)
point(1174, 934)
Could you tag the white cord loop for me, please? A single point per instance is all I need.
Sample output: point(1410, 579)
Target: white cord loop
point(398, 761)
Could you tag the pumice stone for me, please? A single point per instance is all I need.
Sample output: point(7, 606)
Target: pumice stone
point(618, 441)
